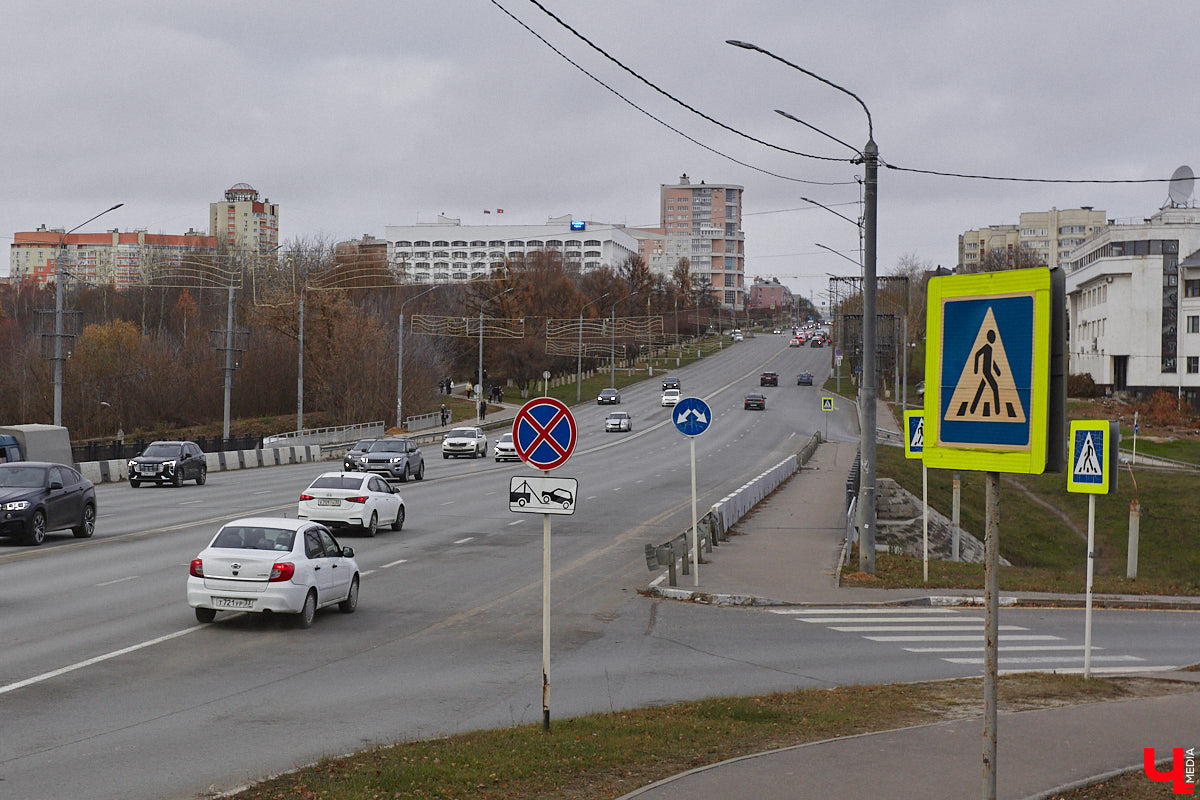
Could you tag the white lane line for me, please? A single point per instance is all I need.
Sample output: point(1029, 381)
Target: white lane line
point(192, 502)
point(518, 522)
point(394, 563)
point(119, 580)
point(366, 572)
point(593, 497)
point(1042, 659)
point(840, 611)
point(919, 628)
point(1020, 637)
point(1003, 648)
point(448, 503)
point(820, 620)
point(265, 491)
point(464, 541)
point(45, 676)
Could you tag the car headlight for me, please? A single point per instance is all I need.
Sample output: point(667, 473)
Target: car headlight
point(397, 459)
point(169, 466)
point(17, 505)
point(131, 463)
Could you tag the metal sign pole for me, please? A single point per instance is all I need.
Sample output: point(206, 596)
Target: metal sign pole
point(695, 536)
point(1087, 613)
point(546, 620)
point(925, 520)
point(991, 600)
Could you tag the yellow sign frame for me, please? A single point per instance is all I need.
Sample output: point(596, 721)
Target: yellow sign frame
point(1104, 461)
point(908, 433)
point(1027, 453)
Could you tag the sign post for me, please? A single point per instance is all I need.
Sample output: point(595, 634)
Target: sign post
point(1093, 471)
point(914, 446)
point(827, 406)
point(544, 436)
point(692, 416)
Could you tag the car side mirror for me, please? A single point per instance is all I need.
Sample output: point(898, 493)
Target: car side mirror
point(56, 484)
point(347, 552)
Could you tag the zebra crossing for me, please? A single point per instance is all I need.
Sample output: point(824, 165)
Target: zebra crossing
point(956, 636)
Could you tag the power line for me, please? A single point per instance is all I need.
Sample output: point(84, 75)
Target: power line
point(976, 177)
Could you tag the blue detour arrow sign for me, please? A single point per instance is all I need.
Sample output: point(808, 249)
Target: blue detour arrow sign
point(692, 416)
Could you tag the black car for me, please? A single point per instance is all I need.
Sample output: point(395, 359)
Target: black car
point(168, 462)
point(356, 455)
point(816, 341)
point(670, 383)
point(608, 397)
point(804, 379)
point(37, 496)
point(756, 400)
point(768, 379)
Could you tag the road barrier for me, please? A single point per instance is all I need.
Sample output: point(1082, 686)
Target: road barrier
point(714, 526)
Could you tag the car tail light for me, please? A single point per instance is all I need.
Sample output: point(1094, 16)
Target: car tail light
point(197, 568)
point(359, 499)
point(282, 571)
point(307, 497)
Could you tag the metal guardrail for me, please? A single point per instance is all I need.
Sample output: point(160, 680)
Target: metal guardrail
point(714, 526)
point(1159, 460)
point(432, 420)
point(323, 436)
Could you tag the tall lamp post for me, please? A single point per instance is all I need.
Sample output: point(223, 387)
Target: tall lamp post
point(479, 375)
point(579, 350)
point(400, 357)
point(58, 313)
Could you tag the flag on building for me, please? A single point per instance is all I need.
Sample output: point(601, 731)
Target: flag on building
point(486, 211)
point(499, 210)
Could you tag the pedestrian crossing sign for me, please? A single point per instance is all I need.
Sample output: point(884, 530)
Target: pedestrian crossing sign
point(914, 433)
point(827, 404)
point(988, 363)
point(1093, 463)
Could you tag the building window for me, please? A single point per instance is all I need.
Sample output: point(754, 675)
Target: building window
point(1193, 364)
point(1191, 288)
point(1193, 324)
point(730, 297)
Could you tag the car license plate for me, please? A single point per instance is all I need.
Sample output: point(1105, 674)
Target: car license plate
point(232, 602)
point(147, 469)
point(328, 501)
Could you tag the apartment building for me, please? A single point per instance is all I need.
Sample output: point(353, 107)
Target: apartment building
point(770, 295)
point(243, 222)
point(111, 258)
point(1048, 237)
point(446, 251)
point(701, 222)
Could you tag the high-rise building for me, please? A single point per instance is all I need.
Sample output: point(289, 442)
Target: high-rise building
point(702, 223)
point(111, 258)
point(244, 223)
point(1049, 237)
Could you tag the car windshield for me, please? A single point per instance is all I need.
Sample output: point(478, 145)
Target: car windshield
point(462, 433)
point(161, 450)
point(506, 437)
point(387, 445)
point(337, 482)
point(22, 477)
point(239, 537)
point(363, 445)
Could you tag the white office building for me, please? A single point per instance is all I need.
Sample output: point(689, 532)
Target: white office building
point(1133, 305)
point(446, 251)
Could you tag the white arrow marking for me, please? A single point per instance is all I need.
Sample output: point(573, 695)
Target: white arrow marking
point(695, 413)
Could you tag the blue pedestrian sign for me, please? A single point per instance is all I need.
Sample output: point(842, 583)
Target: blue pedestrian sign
point(544, 433)
point(1093, 445)
point(692, 416)
point(914, 439)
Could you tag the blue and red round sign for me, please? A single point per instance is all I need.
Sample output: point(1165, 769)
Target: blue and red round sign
point(544, 433)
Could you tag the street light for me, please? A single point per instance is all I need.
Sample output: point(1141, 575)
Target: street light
point(58, 313)
point(479, 375)
point(400, 357)
point(579, 350)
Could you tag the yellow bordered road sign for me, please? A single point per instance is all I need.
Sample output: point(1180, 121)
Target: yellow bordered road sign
point(914, 433)
point(827, 404)
point(988, 365)
point(1092, 450)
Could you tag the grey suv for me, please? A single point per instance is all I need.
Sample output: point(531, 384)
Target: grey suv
point(395, 459)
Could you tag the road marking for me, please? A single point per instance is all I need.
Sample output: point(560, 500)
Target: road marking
point(119, 580)
point(366, 572)
point(45, 676)
point(518, 522)
point(841, 611)
point(449, 502)
point(192, 502)
point(1002, 648)
point(1042, 659)
point(1024, 637)
point(394, 563)
point(593, 497)
point(464, 541)
point(919, 628)
point(886, 619)
point(265, 491)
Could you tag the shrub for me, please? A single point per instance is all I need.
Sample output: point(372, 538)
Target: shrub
point(1081, 385)
point(1166, 409)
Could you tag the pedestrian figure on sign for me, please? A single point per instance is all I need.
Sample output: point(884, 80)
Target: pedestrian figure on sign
point(1089, 458)
point(984, 354)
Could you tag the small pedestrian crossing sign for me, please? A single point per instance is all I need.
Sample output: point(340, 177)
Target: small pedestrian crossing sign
point(827, 404)
point(914, 439)
point(1092, 453)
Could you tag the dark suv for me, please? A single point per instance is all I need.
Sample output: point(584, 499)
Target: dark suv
point(168, 462)
point(356, 455)
point(395, 459)
point(670, 383)
point(768, 379)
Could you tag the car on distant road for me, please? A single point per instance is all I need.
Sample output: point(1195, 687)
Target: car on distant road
point(618, 421)
point(168, 463)
point(273, 565)
point(737, 336)
point(671, 397)
point(39, 496)
point(468, 442)
point(608, 397)
point(804, 379)
point(670, 383)
point(777, 331)
point(396, 458)
point(816, 341)
point(756, 400)
point(795, 342)
point(352, 499)
point(356, 455)
point(768, 379)
point(505, 448)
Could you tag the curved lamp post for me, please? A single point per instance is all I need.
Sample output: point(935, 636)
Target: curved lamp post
point(400, 357)
point(579, 349)
point(58, 313)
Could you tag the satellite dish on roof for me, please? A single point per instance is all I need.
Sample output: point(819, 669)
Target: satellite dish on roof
point(1180, 188)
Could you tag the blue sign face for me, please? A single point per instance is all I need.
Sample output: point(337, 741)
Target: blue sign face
point(916, 434)
point(691, 416)
point(987, 372)
point(578, 225)
point(544, 433)
point(1087, 457)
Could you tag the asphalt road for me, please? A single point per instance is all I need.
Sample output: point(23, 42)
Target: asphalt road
point(109, 689)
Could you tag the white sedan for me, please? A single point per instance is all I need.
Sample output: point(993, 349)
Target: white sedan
point(352, 499)
point(506, 448)
point(464, 442)
point(273, 565)
point(670, 397)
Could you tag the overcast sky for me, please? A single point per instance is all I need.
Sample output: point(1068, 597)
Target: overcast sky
point(357, 115)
